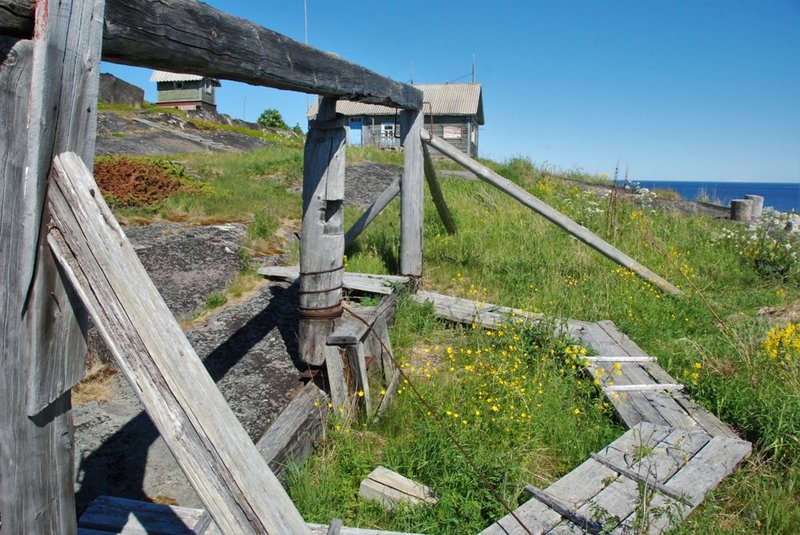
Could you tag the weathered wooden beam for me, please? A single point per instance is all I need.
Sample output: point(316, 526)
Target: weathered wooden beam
point(322, 236)
point(192, 37)
point(548, 212)
point(16, 18)
point(436, 192)
point(646, 480)
point(48, 98)
point(412, 195)
point(208, 442)
point(381, 202)
point(590, 525)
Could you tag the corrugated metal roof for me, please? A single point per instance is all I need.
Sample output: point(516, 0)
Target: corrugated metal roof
point(164, 76)
point(444, 99)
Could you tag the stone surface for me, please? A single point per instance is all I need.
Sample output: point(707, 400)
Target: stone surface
point(116, 91)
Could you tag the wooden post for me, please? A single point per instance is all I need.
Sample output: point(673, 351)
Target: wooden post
point(551, 214)
point(322, 234)
point(411, 195)
point(436, 192)
point(758, 204)
point(48, 99)
point(741, 210)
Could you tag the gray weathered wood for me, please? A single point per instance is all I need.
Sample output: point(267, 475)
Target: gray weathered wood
point(436, 192)
point(625, 358)
point(643, 387)
point(550, 213)
point(222, 464)
point(381, 202)
point(42, 345)
point(412, 194)
point(358, 372)
point(337, 381)
point(121, 515)
point(192, 37)
point(358, 322)
point(757, 205)
point(583, 522)
point(742, 210)
point(363, 282)
point(336, 527)
point(290, 438)
point(321, 238)
point(465, 311)
point(390, 488)
point(640, 478)
point(16, 18)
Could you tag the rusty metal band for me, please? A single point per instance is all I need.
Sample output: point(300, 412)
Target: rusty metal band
point(333, 124)
point(322, 272)
point(327, 313)
point(307, 292)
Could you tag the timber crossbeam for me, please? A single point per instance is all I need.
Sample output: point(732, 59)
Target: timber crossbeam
point(192, 37)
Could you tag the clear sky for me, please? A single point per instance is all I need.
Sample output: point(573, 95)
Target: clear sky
point(674, 90)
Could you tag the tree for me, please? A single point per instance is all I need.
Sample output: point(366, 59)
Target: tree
point(272, 118)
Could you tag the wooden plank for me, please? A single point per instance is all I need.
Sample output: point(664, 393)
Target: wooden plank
point(358, 371)
point(366, 282)
point(436, 192)
point(621, 358)
point(222, 464)
point(585, 523)
point(390, 489)
point(412, 195)
point(337, 382)
point(466, 311)
point(192, 37)
point(322, 529)
point(374, 210)
point(321, 237)
point(290, 438)
point(41, 335)
point(643, 387)
point(700, 475)
point(16, 18)
point(121, 515)
point(358, 322)
point(548, 212)
point(640, 478)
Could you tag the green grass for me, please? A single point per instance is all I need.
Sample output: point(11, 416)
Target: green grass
point(503, 253)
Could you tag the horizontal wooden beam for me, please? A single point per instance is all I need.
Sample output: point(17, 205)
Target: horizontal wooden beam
point(192, 37)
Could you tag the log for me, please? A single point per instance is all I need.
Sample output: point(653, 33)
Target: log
point(757, 204)
point(192, 37)
point(742, 210)
point(41, 335)
point(381, 202)
point(208, 442)
point(550, 213)
point(322, 238)
point(412, 197)
point(390, 488)
point(436, 192)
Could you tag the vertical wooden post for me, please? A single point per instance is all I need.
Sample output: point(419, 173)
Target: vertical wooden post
point(411, 194)
point(48, 99)
point(322, 235)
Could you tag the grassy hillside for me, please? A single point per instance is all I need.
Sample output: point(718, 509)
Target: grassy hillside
point(514, 397)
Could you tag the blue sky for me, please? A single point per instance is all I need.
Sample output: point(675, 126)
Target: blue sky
point(674, 90)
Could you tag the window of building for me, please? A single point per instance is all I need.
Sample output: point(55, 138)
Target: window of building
point(451, 132)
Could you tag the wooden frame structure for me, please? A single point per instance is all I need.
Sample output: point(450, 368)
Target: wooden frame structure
point(62, 252)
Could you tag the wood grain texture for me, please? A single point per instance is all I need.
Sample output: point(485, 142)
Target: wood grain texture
point(16, 18)
point(322, 236)
point(42, 337)
point(222, 464)
point(374, 210)
point(412, 195)
point(549, 213)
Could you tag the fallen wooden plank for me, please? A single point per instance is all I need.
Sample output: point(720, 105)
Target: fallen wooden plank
point(620, 358)
point(644, 387)
point(121, 515)
point(390, 489)
point(356, 323)
point(644, 479)
point(465, 311)
point(592, 526)
point(549, 213)
point(208, 442)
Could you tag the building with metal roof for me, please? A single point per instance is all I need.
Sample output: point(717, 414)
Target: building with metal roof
point(185, 91)
point(452, 111)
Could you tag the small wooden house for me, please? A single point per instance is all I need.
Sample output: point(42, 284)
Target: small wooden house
point(185, 91)
point(452, 111)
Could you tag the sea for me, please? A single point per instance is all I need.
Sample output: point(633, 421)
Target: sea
point(782, 196)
